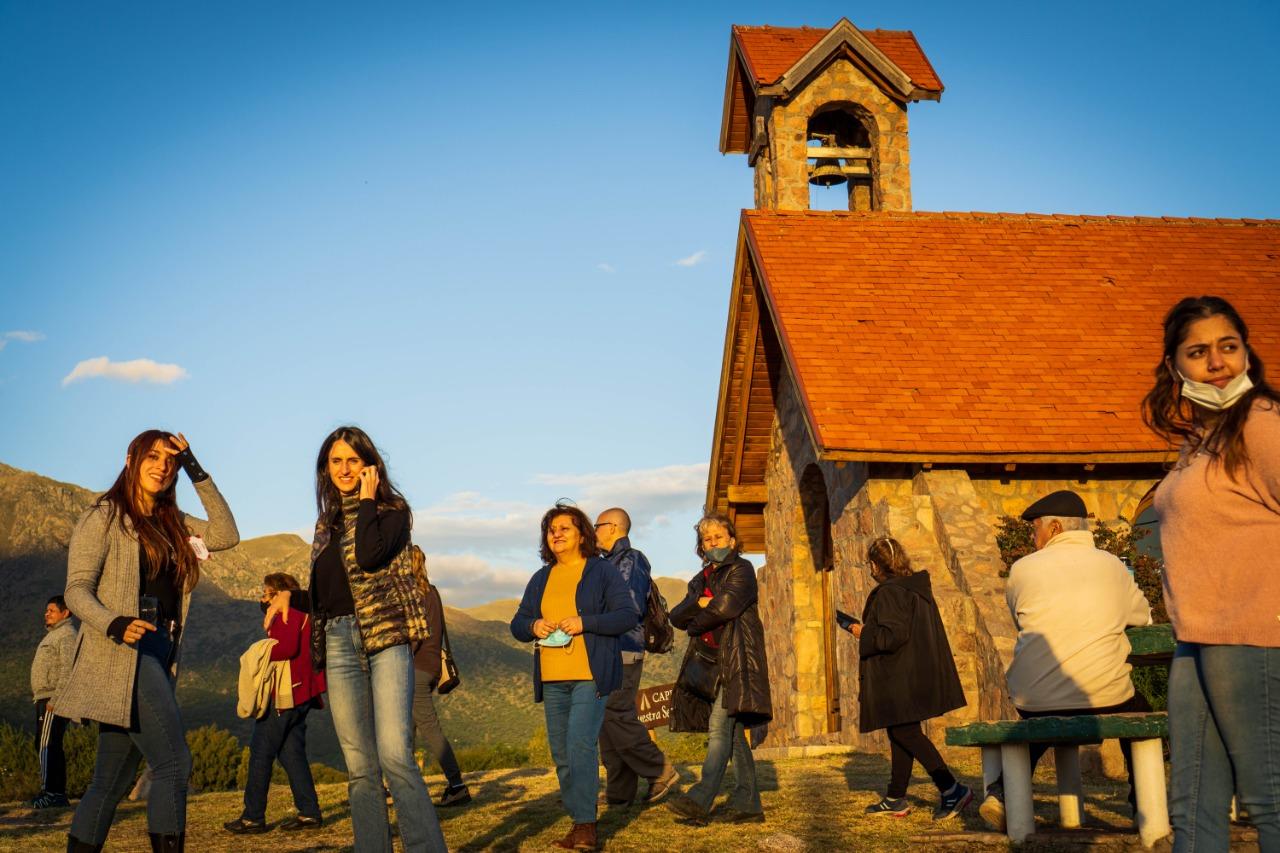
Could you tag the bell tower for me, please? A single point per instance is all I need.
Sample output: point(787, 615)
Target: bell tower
point(825, 108)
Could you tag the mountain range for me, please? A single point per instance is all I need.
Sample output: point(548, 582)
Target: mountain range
point(493, 705)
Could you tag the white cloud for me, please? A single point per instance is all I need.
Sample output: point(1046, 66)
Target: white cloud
point(693, 260)
point(647, 494)
point(609, 268)
point(466, 580)
point(138, 370)
point(20, 335)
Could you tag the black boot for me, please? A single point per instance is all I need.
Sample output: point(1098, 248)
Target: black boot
point(167, 843)
point(75, 845)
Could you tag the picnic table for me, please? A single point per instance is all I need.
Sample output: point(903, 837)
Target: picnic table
point(1005, 748)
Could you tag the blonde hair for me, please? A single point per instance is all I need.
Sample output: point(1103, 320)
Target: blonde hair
point(888, 555)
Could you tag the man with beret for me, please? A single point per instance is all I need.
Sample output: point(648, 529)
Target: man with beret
point(1071, 602)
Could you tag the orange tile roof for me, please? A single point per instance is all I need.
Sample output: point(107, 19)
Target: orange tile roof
point(770, 52)
point(977, 333)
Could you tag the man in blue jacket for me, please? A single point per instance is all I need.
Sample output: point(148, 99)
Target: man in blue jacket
point(627, 751)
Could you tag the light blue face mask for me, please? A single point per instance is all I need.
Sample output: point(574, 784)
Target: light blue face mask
point(718, 555)
point(556, 639)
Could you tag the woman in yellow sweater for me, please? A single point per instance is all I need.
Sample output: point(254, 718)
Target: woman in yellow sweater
point(575, 606)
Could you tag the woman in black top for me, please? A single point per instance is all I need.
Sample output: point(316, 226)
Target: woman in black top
point(368, 617)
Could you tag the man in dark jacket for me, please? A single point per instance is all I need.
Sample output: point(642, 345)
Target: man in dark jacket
point(627, 751)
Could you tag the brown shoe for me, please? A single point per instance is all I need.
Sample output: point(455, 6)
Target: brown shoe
point(660, 787)
point(581, 837)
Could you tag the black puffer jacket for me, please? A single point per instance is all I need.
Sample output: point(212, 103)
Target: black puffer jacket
point(744, 670)
point(906, 672)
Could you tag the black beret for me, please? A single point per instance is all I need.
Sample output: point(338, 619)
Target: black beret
point(1064, 504)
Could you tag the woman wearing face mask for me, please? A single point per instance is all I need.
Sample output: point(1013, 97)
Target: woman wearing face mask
point(281, 733)
point(135, 554)
point(906, 675)
point(366, 623)
point(575, 606)
point(1219, 510)
point(723, 687)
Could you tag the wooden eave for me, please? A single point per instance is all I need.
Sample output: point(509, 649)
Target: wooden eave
point(735, 116)
point(726, 375)
point(896, 82)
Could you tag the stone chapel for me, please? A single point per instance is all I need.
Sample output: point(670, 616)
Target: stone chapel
point(920, 375)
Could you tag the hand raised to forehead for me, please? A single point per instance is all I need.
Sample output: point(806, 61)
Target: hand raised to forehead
point(176, 444)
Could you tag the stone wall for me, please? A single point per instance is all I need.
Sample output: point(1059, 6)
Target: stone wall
point(946, 521)
point(782, 169)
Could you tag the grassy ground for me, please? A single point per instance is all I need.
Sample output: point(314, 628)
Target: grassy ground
point(812, 804)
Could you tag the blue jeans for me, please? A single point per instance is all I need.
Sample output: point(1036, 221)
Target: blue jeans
point(280, 735)
point(726, 737)
point(371, 702)
point(574, 712)
point(1224, 738)
point(159, 738)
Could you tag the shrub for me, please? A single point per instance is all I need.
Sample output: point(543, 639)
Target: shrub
point(215, 758)
point(20, 766)
point(1015, 538)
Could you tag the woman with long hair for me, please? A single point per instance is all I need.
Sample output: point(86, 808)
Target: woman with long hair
point(1219, 510)
point(575, 606)
point(366, 616)
point(281, 732)
point(133, 561)
point(906, 675)
point(723, 686)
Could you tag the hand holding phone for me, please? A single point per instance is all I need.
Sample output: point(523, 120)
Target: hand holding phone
point(845, 621)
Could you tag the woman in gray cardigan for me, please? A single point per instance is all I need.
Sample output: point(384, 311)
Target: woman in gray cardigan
point(133, 561)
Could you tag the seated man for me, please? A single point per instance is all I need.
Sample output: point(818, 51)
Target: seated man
point(1071, 603)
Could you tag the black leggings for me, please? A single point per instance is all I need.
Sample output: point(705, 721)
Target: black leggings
point(907, 744)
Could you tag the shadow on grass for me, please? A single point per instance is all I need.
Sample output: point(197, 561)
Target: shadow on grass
point(524, 819)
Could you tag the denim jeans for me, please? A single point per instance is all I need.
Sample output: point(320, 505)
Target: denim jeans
point(427, 724)
point(574, 712)
point(726, 736)
point(284, 736)
point(1224, 738)
point(371, 702)
point(159, 738)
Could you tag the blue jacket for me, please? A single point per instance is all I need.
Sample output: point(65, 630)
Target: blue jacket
point(604, 603)
point(634, 569)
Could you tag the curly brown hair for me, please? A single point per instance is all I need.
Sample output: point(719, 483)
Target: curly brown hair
point(586, 530)
point(1172, 418)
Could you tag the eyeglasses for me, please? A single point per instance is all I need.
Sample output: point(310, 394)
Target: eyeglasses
point(605, 523)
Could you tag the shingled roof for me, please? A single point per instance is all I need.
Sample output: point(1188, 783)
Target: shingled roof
point(777, 60)
point(971, 337)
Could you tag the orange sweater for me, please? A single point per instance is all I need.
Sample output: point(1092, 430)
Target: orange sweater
point(1221, 541)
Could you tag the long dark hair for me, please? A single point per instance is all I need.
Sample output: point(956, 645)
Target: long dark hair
point(1171, 417)
point(162, 534)
point(329, 499)
point(587, 547)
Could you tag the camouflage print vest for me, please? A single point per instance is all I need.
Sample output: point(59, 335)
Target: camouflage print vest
point(389, 605)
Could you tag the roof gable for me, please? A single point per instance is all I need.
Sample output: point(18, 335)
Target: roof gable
point(781, 59)
point(989, 337)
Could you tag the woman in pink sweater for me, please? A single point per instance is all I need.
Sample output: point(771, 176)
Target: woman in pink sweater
point(1219, 511)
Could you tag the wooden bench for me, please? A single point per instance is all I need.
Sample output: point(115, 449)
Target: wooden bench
point(1006, 751)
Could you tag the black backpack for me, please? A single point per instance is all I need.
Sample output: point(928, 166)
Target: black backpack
point(659, 636)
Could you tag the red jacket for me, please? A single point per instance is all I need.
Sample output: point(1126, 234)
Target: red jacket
point(293, 643)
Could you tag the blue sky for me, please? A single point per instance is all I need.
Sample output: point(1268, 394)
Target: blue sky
point(464, 232)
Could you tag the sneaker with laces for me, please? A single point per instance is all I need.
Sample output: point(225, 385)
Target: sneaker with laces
point(50, 801)
point(897, 808)
point(458, 796)
point(953, 802)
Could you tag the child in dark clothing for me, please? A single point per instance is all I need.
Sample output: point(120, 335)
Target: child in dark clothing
point(906, 675)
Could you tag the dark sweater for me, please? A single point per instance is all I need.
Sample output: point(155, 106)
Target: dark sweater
point(378, 539)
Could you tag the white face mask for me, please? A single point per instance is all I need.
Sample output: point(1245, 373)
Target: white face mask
point(1214, 398)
